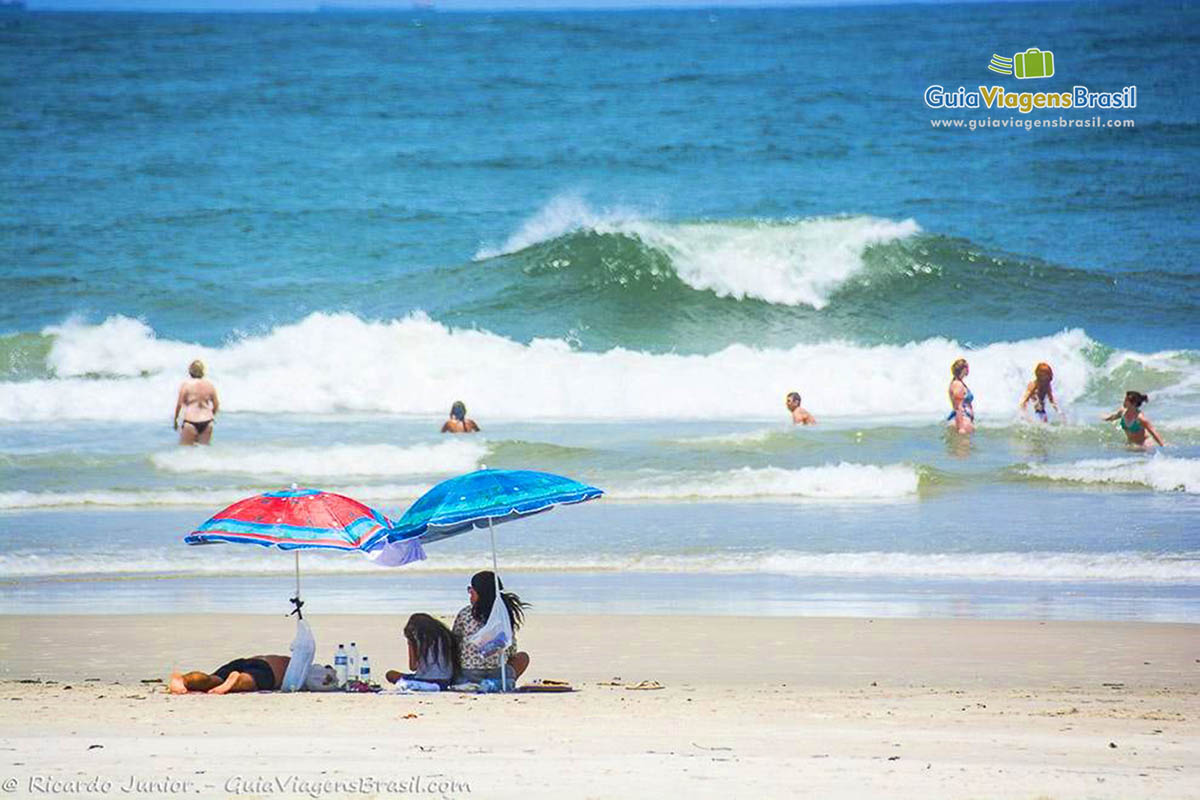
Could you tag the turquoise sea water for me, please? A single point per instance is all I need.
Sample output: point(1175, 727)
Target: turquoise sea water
point(621, 238)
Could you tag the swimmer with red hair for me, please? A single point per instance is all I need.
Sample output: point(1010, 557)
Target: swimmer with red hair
point(1039, 391)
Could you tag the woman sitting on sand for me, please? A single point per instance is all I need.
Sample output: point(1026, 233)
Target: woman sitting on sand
point(198, 401)
point(459, 422)
point(961, 399)
point(432, 652)
point(253, 674)
point(474, 665)
point(1135, 424)
point(1039, 391)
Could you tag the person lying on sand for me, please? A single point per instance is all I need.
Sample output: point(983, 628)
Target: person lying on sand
point(253, 674)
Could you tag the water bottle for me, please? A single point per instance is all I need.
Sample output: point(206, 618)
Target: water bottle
point(364, 670)
point(352, 661)
point(489, 685)
point(340, 664)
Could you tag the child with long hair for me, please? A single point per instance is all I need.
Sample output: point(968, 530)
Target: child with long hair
point(432, 652)
point(1039, 391)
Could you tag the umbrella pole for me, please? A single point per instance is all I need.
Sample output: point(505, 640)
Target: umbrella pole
point(296, 601)
point(499, 599)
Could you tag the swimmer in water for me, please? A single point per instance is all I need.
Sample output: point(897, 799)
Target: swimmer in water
point(199, 403)
point(1039, 391)
point(799, 415)
point(459, 422)
point(961, 399)
point(1135, 424)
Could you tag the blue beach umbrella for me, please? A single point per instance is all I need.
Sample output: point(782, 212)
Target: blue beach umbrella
point(483, 499)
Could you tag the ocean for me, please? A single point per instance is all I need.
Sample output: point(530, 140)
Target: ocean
point(620, 238)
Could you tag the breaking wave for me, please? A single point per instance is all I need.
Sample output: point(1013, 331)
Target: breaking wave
point(1160, 473)
point(334, 363)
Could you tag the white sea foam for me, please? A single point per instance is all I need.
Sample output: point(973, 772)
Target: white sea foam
point(744, 438)
point(562, 215)
point(833, 482)
point(339, 461)
point(203, 498)
point(121, 498)
point(1120, 567)
point(842, 481)
point(337, 363)
point(799, 262)
point(1161, 473)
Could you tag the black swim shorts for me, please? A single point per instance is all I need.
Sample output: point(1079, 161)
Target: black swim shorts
point(264, 676)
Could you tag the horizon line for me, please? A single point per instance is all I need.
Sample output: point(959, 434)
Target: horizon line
point(418, 7)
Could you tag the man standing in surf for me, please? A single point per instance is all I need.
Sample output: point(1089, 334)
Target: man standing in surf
point(198, 400)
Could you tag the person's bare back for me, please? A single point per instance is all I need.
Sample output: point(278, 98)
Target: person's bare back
point(199, 403)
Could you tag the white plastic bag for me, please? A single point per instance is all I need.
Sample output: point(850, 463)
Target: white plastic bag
point(321, 678)
point(496, 633)
point(304, 647)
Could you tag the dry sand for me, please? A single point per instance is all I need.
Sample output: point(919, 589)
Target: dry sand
point(780, 707)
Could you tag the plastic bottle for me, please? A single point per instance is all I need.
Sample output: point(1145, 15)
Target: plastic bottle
point(364, 670)
point(352, 661)
point(340, 664)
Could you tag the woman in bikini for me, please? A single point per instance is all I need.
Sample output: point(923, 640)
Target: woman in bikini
point(1135, 424)
point(199, 403)
point(961, 399)
point(459, 422)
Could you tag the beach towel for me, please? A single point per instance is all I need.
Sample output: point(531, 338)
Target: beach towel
point(546, 686)
point(408, 685)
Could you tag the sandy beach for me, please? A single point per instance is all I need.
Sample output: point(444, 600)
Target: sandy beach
point(630, 240)
point(750, 708)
